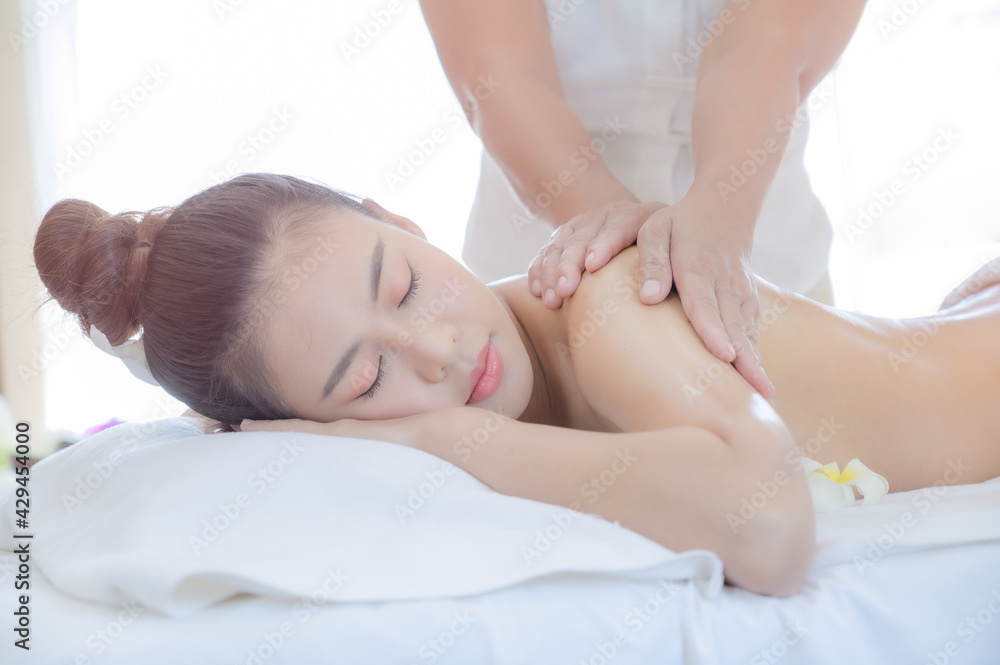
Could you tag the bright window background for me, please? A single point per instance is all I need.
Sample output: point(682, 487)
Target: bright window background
point(914, 69)
point(195, 91)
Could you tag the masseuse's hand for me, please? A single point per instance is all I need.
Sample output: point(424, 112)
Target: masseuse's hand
point(708, 262)
point(987, 276)
point(679, 245)
point(588, 240)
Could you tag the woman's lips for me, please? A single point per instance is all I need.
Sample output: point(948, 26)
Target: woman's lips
point(487, 374)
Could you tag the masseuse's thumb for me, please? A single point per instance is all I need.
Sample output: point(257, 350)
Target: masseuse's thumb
point(655, 270)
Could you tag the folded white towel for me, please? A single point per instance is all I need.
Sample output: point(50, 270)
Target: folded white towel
point(162, 514)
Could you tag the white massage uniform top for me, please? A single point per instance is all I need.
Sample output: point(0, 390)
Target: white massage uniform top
point(618, 64)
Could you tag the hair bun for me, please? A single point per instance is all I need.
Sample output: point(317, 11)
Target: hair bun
point(94, 263)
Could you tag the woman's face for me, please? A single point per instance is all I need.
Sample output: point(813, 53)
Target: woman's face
point(378, 323)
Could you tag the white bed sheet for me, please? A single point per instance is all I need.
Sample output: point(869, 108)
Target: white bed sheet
point(885, 588)
point(901, 611)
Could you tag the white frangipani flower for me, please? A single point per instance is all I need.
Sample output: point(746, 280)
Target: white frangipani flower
point(832, 488)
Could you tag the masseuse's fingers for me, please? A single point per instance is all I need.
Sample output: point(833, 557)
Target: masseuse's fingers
point(986, 276)
point(542, 271)
point(555, 272)
point(622, 227)
point(741, 310)
point(720, 300)
point(564, 276)
point(588, 241)
point(698, 296)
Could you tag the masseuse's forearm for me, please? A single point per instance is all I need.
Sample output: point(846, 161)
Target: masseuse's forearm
point(680, 487)
point(499, 59)
point(745, 94)
point(545, 152)
point(752, 78)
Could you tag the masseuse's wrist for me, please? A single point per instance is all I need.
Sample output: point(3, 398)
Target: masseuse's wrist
point(583, 195)
point(731, 222)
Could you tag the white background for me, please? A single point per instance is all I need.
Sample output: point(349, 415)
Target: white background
point(225, 68)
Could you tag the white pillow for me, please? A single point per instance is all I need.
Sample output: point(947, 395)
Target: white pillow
point(175, 519)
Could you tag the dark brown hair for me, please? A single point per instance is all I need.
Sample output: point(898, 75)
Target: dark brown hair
point(197, 281)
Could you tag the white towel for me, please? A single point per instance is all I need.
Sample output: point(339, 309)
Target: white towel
point(177, 520)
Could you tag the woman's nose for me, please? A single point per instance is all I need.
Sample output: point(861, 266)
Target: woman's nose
point(434, 350)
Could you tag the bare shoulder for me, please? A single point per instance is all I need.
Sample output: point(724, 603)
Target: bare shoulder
point(644, 367)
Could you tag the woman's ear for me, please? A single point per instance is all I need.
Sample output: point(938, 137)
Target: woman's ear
point(392, 218)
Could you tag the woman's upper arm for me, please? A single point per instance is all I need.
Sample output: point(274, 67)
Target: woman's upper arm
point(503, 39)
point(644, 367)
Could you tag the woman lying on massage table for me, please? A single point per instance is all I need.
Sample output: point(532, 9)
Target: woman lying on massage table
point(270, 298)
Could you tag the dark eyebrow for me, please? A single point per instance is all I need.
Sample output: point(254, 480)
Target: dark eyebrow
point(377, 256)
point(338, 372)
point(376, 273)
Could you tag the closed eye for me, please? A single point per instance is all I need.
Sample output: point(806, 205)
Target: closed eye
point(376, 384)
point(414, 284)
point(407, 297)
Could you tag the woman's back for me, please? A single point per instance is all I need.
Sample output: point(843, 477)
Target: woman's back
point(887, 391)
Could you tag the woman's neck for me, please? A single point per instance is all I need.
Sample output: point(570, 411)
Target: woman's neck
point(543, 333)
